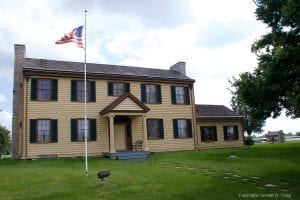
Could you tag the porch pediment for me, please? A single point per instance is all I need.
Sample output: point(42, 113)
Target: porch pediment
point(124, 104)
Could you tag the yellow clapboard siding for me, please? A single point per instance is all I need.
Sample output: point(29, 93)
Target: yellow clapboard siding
point(64, 110)
point(220, 134)
point(128, 104)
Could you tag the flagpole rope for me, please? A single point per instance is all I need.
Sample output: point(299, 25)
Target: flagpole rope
point(85, 98)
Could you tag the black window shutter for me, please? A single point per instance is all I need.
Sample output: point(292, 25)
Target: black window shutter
point(158, 93)
point(54, 90)
point(33, 89)
point(187, 95)
point(93, 129)
point(215, 136)
point(189, 128)
point(33, 130)
point(236, 133)
point(127, 87)
point(110, 91)
point(73, 130)
point(225, 132)
point(202, 134)
point(161, 128)
point(175, 128)
point(93, 91)
point(143, 93)
point(173, 95)
point(73, 90)
point(54, 130)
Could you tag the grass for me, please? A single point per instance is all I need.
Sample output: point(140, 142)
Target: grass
point(208, 174)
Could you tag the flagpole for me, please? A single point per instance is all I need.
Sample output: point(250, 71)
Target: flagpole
point(85, 117)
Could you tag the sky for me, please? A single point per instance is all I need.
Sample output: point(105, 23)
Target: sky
point(213, 37)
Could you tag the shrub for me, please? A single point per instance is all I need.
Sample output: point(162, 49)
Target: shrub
point(5, 141)
point(249, 140)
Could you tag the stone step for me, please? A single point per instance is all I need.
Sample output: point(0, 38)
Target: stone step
point(128, 155)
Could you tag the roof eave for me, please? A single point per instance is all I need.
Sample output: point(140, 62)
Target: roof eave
point(220, 117)
point(31, 71)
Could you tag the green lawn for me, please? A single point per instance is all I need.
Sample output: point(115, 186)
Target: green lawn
point(209, 174)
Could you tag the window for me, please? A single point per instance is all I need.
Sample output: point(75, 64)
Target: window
point(80, 91)
point(44, 89)
point(208, 133)
point(182, 128)
point(43, 130)
point(151, 93)
point(180, 95)
point(77, 91)
point(231, 133)
point(78, 130)
point(117, 88)
point(155, 129)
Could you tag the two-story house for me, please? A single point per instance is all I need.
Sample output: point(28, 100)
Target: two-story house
point(124, 104)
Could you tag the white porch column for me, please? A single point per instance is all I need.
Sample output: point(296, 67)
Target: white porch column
point(145, 133)
point(112, 148)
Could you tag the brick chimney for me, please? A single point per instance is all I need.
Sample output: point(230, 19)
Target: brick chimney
point(20, 54)
point(179, 67)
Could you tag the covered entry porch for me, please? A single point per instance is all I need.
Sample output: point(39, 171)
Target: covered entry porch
point(126, 118)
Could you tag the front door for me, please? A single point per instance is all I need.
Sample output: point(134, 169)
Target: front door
point(120, 137)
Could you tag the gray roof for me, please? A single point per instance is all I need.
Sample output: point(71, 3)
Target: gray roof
point(215, 112)
point(275, 132)
point(101, 70)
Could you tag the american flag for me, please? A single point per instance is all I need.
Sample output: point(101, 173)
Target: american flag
point(74, 36)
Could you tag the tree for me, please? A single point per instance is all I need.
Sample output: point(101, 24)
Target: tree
point(275, 83)
point(5, 141)
point(289, 134)
point(251, 124)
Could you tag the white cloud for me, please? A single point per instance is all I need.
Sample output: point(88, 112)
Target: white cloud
point(212, 37)
point(283, 123)
point(206, 12)
point(2, 98)
point(6, 72)
point(6, 119)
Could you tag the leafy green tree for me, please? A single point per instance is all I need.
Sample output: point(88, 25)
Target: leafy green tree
point(250, 124)
point(5, 140)
point(275, 83)
point(289, 134)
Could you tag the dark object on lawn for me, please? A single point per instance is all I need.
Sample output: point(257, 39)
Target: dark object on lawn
point(103, 174)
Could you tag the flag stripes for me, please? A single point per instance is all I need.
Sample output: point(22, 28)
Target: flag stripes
point(74, 36)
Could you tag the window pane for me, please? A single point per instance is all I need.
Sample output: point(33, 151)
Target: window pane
point(118, 89)
point(208, 133)
point(43, 130)
point(179, 95)
point(182, 128)
point(153, 128)
point(80, 129)
point(150, 94)
point(80, 90)
point(231, 133)
point(44, 89)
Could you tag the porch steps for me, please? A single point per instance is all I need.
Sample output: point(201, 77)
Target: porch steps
point(128, 155)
